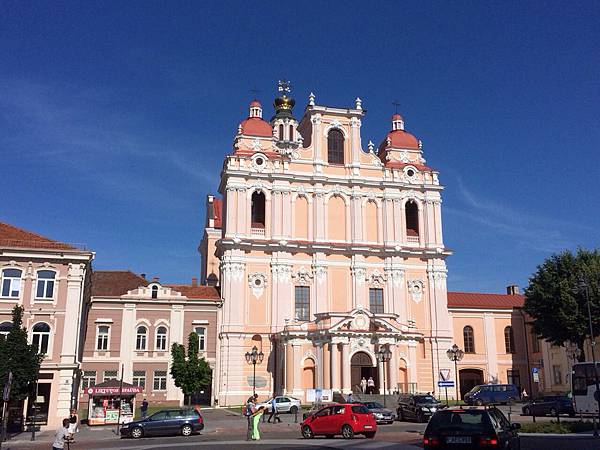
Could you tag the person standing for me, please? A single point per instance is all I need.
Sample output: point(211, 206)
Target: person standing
point(274, 411)
point(255, 421)
point(61, 436)
point(363, 385)
point(370, 385)
point(144, 408)
point(248, 411)
point(350, 398)
point(73, 423)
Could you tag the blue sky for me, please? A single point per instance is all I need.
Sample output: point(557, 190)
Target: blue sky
point(115, 117)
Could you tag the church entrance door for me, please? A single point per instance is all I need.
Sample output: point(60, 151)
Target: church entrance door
point(361, 366)
point(469, 378)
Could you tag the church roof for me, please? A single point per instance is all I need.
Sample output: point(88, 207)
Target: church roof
point(255, 126)
point(197, 292)
point(484, 301)
point(11, 236)
point(114, 283)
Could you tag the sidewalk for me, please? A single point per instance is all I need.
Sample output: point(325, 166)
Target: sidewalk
point(86, 434)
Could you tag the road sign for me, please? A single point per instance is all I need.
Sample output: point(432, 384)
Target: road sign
point(536, 374)
point(445, 374)
point(445, 384)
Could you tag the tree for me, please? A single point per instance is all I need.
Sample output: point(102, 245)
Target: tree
point(558, 304)
point(190, 373)
point(18, 357)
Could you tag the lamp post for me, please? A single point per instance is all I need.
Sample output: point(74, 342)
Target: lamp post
point(455, 354)
point(383, 356)
point(583, 287)
point(254, 357)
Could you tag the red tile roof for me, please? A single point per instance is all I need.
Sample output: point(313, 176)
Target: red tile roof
point(197, 292)
point(11, 236)
point(255, 126)
point(484, 301)
point(114, 283)
point(217, 212)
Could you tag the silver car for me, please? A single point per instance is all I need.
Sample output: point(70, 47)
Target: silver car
point(381, 414)
point(284, 404)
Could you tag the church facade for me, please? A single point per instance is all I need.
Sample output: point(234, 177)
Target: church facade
point(329, 252)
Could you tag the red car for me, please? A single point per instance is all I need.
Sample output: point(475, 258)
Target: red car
point(347, 420)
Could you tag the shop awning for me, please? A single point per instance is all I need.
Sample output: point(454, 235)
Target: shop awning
point(113, 387)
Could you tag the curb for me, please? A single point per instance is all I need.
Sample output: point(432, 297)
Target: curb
point(558, 435)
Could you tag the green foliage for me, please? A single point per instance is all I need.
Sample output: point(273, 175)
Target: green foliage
point(554, 427)
point(18, 357)
point(190, 373)
point(556, 303)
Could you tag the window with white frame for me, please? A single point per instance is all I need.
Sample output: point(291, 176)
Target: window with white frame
point(161, 338)
point(159, 382)
point(88, 379)
point(141, 336)
point(45, 285)
point(376, 300)
point(102, 337)
point(302, 302)
point(139, 378)
point(40, 337)
point(11, 283)
point(201, 332)
point(5, 328)
point(110, 375)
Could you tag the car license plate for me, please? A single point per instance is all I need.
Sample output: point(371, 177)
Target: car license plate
point(367, 427)
point(458, 440)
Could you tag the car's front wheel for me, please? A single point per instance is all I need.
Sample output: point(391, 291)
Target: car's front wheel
point(347, 432)
point(294, 409)
point(186, 430)
point(307, 433)
point(136, 432)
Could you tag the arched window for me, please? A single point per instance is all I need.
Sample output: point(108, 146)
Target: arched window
point(412, 218)
point(258, 210)
point(291, 136)
point(335, 147)
point(154, 291)
point(5, 328)
point(469, 339)
point(509, 340)
point(45, 284)
point(11, 283)
point(201, 332)
point(161, 338)
point(281, 132)
point(140, 340)
point(40, 337)
point(102, 335)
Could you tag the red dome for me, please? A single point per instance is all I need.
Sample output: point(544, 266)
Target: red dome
point(402, 139)
point(255, 104)
point(255, 126)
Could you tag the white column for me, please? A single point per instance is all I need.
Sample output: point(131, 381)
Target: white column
point(319, 367)
point(335, 367)
point(393, 368)
point(311, 229)
point(346, 382)
point(381, 374)
point(490, 347)
point(412, 362)
point(297, 384)
point(231, 211)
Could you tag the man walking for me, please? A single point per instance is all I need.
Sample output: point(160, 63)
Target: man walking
point(62, 435)
point(144, 408)
point(274, 414)
point(248, 412)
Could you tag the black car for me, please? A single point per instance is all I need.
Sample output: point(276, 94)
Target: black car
point(470, 427)
point(166, 422)
point(381, 413)
point(419, 407)
point(549, 405)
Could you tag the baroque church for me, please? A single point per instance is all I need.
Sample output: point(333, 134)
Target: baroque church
point(327, 254)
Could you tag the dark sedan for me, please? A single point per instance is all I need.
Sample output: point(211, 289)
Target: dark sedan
point(549, 405)
point(164, 423)
point(381, 414)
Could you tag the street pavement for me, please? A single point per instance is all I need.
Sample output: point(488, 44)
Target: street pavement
point(227, 430)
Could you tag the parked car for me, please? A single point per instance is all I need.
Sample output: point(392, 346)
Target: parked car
point(471, 428)
point(165, 422)
point(419, 407)
point(284, 404)
point(486, 394)
point(550, 404)
point(381, 413)
point(345, 419)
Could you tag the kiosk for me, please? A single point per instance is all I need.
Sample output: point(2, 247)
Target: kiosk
point(106, 399)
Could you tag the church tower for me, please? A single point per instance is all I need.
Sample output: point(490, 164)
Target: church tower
point(329, 255)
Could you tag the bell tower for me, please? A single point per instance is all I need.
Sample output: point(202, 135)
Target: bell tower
point(285, 125)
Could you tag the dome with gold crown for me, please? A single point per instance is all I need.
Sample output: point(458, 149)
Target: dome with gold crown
point(284, 104)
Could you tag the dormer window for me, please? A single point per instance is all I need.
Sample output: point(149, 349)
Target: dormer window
point(154, 291)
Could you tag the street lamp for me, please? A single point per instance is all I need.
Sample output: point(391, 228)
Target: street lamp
point(254, 357)
point(383, 356)
point(455, 354)
point(582, 287)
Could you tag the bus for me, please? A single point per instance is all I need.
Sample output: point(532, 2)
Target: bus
point(584, 386)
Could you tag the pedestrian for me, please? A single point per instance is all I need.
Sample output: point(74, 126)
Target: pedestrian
point(370, 386)
point(61, 436)
point(524, 395)
point(73, 423)
point(363, 385)
point(274, 415)
point(350, 399)
point(144, 408)
point(255, 421)
point(248, 410)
